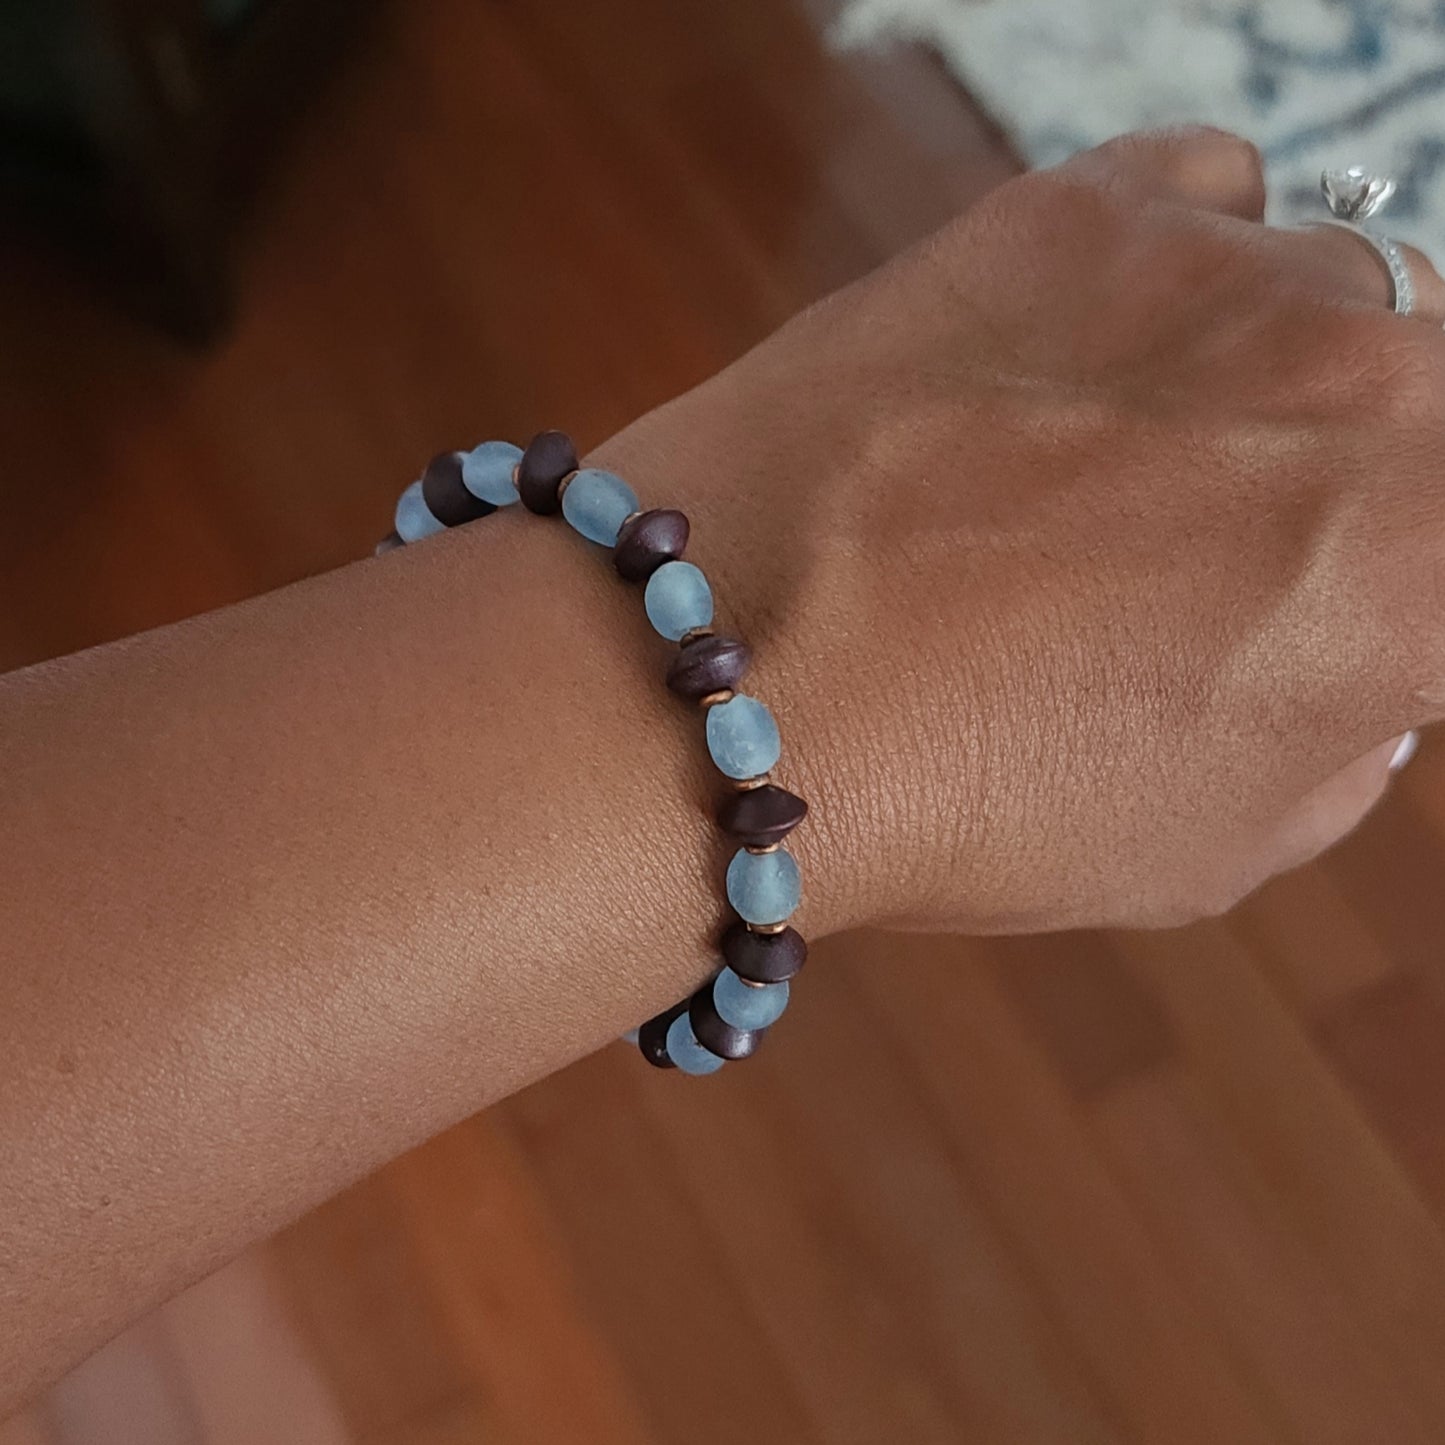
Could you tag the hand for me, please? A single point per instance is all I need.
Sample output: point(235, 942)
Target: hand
point(1091, 550)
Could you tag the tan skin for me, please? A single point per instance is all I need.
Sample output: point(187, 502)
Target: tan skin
point(1091, 555)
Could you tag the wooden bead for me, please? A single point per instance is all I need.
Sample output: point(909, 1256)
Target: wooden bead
point(646, 541)
point(715, 1034)
point(652, 1036)
point(761, 817)
point(549, 457)
point(446, 495)
point(707, 665)
point(764, 957)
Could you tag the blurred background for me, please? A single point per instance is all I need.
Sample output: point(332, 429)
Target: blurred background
point(260, 260)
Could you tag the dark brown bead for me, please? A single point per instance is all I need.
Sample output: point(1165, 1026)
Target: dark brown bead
point(549, 457)
point(764, 957)
point(762, 816)
point(446, 495)
point(716, 1036)
point(648, 540)
point(389, 543)
point(652, 1036)
point(708, 664)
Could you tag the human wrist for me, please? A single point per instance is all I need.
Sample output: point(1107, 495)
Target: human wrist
point(912, 716)
point(782, 564)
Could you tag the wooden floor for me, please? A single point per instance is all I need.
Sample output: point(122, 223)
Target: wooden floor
point(1164, 1188)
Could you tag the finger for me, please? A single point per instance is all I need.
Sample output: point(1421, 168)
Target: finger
point(1351, 268)
point(1339, 805)
point(1210, 170)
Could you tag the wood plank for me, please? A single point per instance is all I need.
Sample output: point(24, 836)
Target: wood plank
point(247, 1371)
point(1311, 942)
point(490, 1260)
point(904, 1214)
point(651, 1274)
point(467, 1421)
point(770, 1212)
point(1090, 1016)
point(357, 1291)
point(1238, 1251)
point(1385, 1043)
point(1311, 1144)
point(132, 1390)
point(1396, 858)
point(1013, 1128)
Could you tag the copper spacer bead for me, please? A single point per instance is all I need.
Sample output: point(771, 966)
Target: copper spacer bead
point(630, 517)
point(694, 634)
point(746, 785)
point(766, 848)
point(516, 473)
point(564, 484)
point(766, 927)
point(723, 694)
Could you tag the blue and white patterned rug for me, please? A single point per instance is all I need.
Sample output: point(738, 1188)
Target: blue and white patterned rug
point(1314, 83)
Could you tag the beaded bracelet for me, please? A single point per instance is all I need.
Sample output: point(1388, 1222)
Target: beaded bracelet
point(728, 1016)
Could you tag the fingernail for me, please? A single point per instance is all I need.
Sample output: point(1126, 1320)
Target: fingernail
point(1404, 751)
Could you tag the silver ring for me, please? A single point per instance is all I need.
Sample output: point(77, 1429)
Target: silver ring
point(1353, 196)
point(1402, 283)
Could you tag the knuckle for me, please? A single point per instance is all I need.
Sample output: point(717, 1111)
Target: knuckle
point(1187, 147)
point(1223, 163)
point(1182, 155)
point(1052, 207)
point(1225, 146)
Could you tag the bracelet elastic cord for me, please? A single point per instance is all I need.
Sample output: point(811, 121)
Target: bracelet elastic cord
point(728, 1016)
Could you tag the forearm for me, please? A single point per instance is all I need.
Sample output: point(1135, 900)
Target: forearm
point(290, 887)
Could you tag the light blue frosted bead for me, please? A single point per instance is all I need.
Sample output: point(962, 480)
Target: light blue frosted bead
point(597, 503)
point(677, 599)
point(685, 1051)
point(742, 737)
point(413, 517)
point(764, 887)
point(487, 472)
point(746, 1006)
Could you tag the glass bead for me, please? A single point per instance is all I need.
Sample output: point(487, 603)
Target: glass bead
point(742, 737)
point(685, 1051)
point(597, 503)
point(764, 887)
point(413, 517)
point(487, 472)
point(747, 1006)
point(678, 600)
